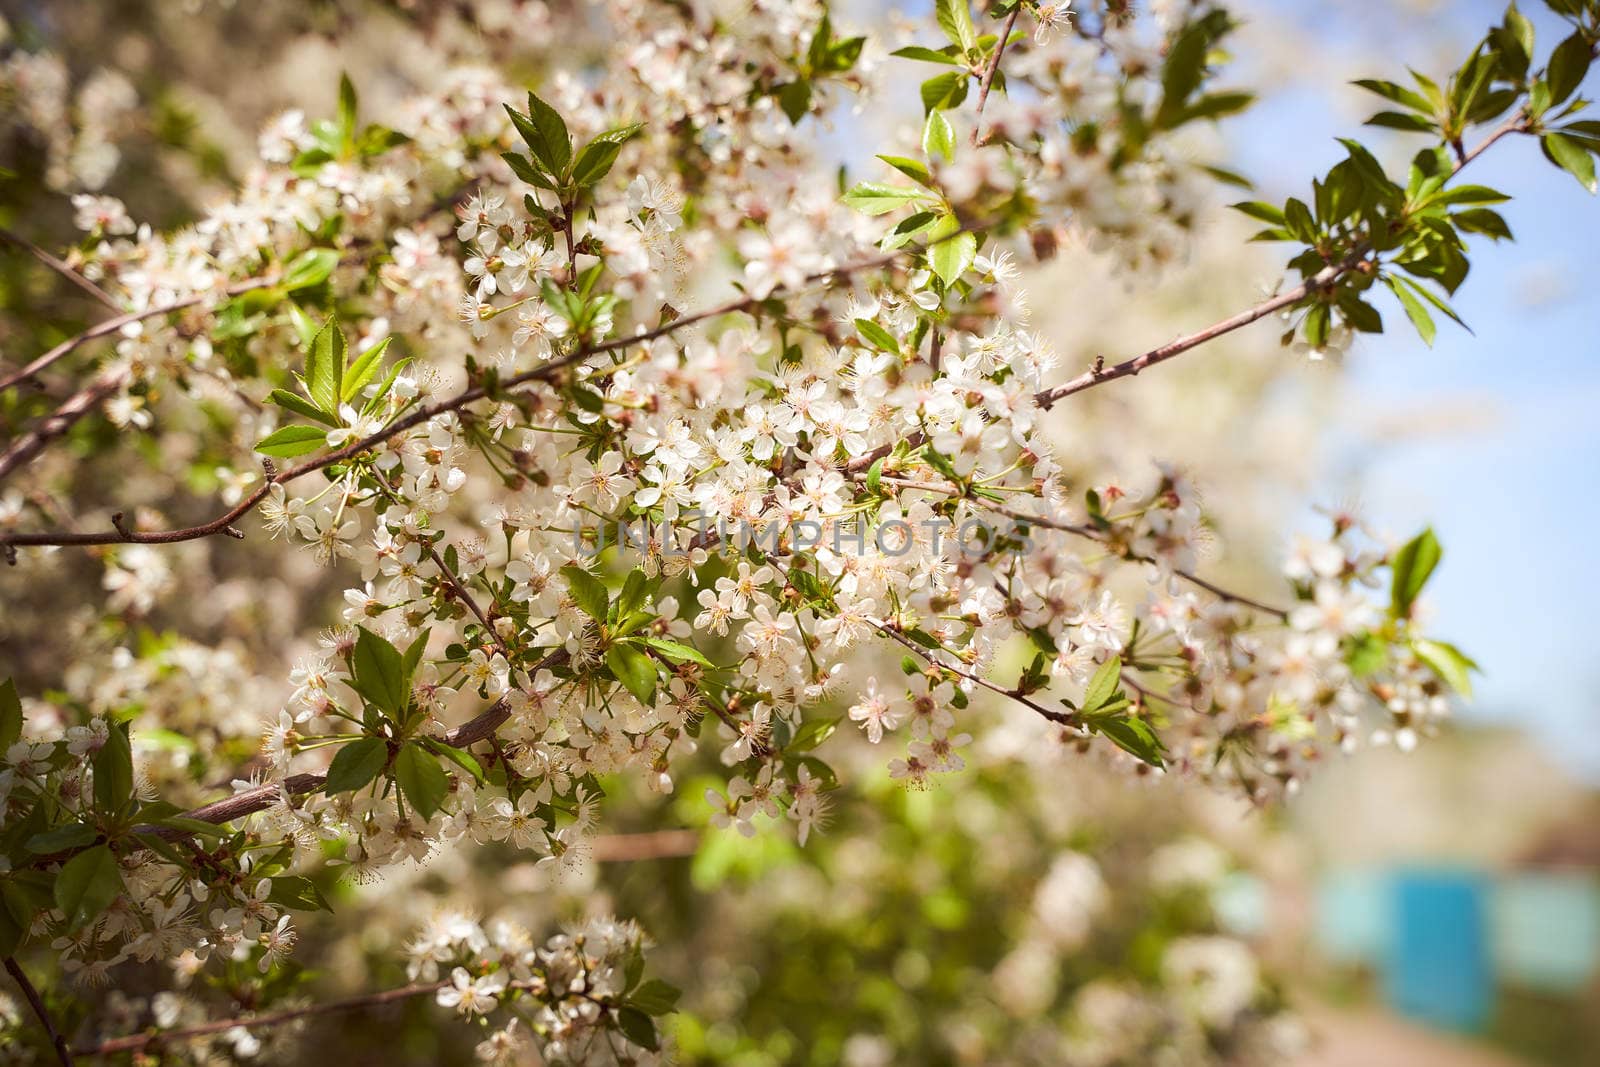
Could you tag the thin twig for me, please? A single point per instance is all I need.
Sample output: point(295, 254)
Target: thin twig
point(988, 74)
point(61, 268)
point(418, 416)
point(136, 1042)
point(112, 325)
point(1100, 374)
point(36, 1002)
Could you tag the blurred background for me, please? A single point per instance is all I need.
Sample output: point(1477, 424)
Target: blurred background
point(1438, 907)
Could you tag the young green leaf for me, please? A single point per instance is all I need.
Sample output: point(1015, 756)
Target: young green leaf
point(1571, 156)
point(872, 198)
point(914, 169)
point(676, 651)
point(357, 763)
point(421, 779)
point(380, 673)
point(1103, 685)
point(87, 885)
point(113, 771)
point(292, 441)
point(311, 267)
point(1448, 662)
point(635, 670)
point(362, 371)
point(1135, 737)
point(1414, 310)
point(955, 18)
point(950, 250)
point(300, 406)
point(589, 592)
point(325, 366)
point(595, 161)
point(938, 136)
point(1412, 567)
point(877, 336)
point(10, 714)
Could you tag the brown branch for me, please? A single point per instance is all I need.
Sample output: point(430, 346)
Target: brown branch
point(136, 1042)
point(112, 325)
point(1326, 277)
point(62, 419)
point(989, 73)
point(61, 268)
point(36, 1002)
point(420, 415)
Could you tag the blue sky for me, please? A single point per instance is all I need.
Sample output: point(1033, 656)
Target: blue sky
point(1503, 463)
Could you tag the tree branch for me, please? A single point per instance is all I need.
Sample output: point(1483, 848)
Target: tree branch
point(60, 268)
point(112, 325)
point(36, 1002)
point(544, 372)
point(988, 74)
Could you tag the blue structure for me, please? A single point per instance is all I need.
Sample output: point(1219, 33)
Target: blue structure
point(1439, 969)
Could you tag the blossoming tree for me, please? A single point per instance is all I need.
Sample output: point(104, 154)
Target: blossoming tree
point(643, 438)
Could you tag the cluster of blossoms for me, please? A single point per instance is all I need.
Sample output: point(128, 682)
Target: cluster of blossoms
point(578, 998)
point(525, 372)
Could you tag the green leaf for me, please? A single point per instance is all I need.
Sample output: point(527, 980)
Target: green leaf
point(589, 592)
point(811, 734)
point(1403, 120)
point(926, 55)
point(1103, 685)
point(298, 893)
point(325, 366)
point(875, 475)
point(10, 714)
point(873, 198)
point(655, 997)
point(635, 670)
point(955, 18)
point(634, 588)
point(311, 267)
point(1414, 310)
point(1258, 209)
point(357, 763)
point(950, 250)
point(87, 885)
point(292, 441)
point(877, 336)
point(1448, 662)
point(795, 100)
point(362, 371)
point(595, 161)
point(545, 134)
point(1468, 194)
point(62, 838)
point(1396, 94)
point(944, 91)
point(300, 406)
point(421, 779)
point(1569, 63)
point(914, 169)
point(527, 170)
point(1412, 567)
point(676, 651)
point(1484, 221)
point(938, 136)
point(459, 756)
point(379, 670)
point(1135, 737)
point(1571, 156)
point(113, 771)
point(347, 105)
point(638, 1028)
